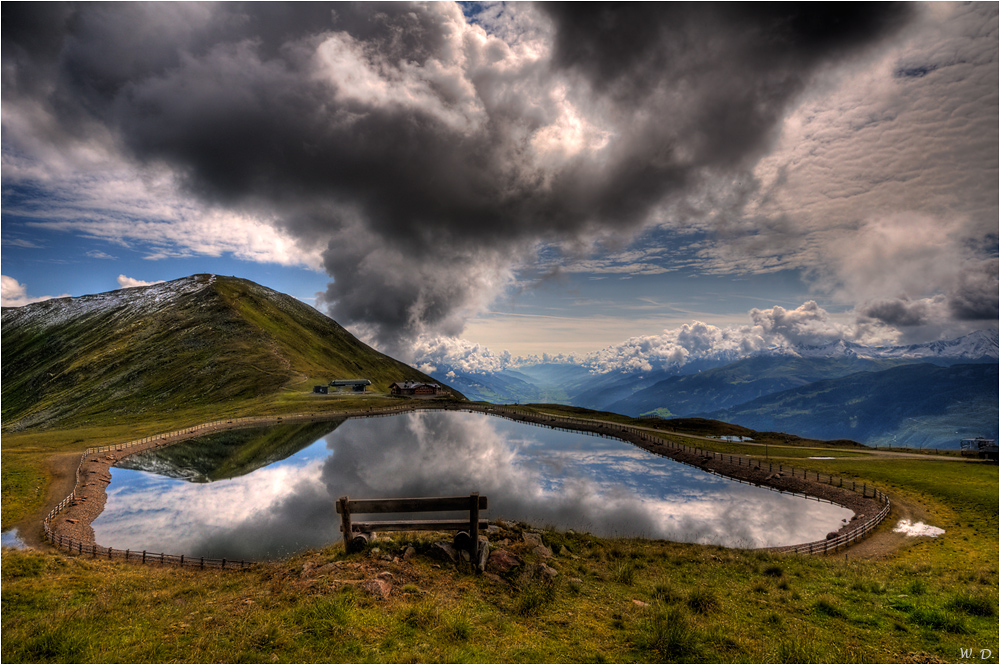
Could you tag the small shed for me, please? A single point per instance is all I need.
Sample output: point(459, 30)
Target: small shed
point(356, 385)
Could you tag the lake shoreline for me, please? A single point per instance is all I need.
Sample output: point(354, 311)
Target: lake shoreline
point(94, 476)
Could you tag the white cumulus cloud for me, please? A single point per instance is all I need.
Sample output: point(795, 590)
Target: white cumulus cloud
point(129, 282)
point(15, 294)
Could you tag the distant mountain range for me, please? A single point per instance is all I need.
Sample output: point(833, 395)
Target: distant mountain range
point(930, 394)
point(211, 340)
point(917, 405)
point(203, 339)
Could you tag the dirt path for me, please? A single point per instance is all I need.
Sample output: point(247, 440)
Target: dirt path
point(75, 520)
point(884, 541)
point(62, 470)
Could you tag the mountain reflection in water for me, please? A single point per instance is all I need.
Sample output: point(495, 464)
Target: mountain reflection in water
point(542, 476)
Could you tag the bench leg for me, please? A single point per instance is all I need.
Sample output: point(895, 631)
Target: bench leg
point(474, 526)
point(345, 523)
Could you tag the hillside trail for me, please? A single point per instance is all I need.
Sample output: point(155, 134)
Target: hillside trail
point(62, 470)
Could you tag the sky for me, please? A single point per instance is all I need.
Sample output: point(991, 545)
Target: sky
point(501, 183)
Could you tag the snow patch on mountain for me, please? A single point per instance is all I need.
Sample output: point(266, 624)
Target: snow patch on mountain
point(130, 302)
point(979, 345)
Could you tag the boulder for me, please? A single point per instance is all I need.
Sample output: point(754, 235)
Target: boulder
point(502, 562)
point(537, 571)
point(484, 554)
point(376, 587)
point(547, 572)
point(444, 551)
point(311, 569)
point(533, 538)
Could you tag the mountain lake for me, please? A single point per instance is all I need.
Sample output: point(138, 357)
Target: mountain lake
point(266, 493)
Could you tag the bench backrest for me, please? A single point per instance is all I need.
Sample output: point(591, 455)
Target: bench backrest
point(427, 504)
point(472, 503)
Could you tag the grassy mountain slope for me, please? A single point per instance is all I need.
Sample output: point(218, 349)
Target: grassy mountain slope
point(873, 406)
point(159, 348)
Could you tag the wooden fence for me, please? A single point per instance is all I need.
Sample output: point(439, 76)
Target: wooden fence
point(77, 546)
point(628, 433)
point(637, 434)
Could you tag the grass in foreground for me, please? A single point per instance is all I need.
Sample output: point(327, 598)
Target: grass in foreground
point(613, 600)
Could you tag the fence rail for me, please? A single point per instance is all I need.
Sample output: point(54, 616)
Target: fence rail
point(825, 546)
point(628, 433)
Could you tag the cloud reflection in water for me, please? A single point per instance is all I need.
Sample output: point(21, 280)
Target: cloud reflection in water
point(542, 476)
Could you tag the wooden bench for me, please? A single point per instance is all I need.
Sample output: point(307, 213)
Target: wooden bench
point(357, 534)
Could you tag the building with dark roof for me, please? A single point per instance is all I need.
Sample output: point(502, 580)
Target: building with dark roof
point(413, 388)
point(357, 385)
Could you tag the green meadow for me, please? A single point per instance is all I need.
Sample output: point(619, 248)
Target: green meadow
point(890, 599)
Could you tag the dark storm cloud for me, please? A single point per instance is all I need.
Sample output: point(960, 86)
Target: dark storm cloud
point(639, 44)
point(902, 312)
point(977, 295)
point(974, 297)
point(427, 158)
point(740, 63)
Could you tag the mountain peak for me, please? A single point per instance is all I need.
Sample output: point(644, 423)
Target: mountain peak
point(171, 345)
